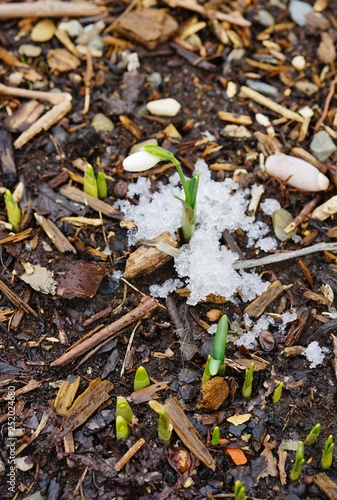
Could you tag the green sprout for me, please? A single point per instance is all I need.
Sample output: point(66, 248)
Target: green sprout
point(89, 182)
point(165, 428)
point(326, 460)
point(215, 363)
point(239, 491)
point(122, 428)
point(123, 409)
point(141, 379)
point(313, 435)
point(299, 461)
point(102, 187)
point(216, 435)
point(219, 346)
point(13, 211)
point(148, 157)
point(277, 393)
point(248, 383)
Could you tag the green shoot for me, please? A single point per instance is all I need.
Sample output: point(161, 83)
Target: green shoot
point(248, 383)
point(102, 187)
point(165, 428)
point(219, 346)
point(206, 375)
point(216, 435)
point(277, 393)
point(141, 379)
point(313, 435)
point(299, 461)
point(239, 491)
point(190, 187)
point(13, 211)
point(123, 409)
point(122, 428)
point(326, 460)
point(89, 182)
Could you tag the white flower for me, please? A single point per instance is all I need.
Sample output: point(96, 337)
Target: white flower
point(139, 161)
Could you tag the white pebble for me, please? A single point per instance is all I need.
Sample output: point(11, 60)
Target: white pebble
point(298, 62)
point(164, 107)
point(296, 172)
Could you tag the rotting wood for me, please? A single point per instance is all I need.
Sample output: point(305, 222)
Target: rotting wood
point(49, 8)
point(326, 485)
point(62, 403)
point(187, 433)
point(56, 236)
point(146, 306)
point(79, 196)
point(19, 313)
point(16, 300)
point(296, 329)
point(129, 454)
point(258, 306)
point(334, 347)
point(86, 404)
point(270, 104)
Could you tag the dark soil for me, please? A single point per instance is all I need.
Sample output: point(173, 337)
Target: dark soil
point(26, 353)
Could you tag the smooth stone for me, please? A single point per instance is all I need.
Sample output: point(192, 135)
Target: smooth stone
point(298, 11)
point(307, 88)
point(296, 172)
point(155, 79)
point(322, 146)
point(101, 122)
point(73, 27)
point(140, 145)
point(265, 18)
point(29, 50)
point(164, 107)
point(263, 88)
point(43, 31)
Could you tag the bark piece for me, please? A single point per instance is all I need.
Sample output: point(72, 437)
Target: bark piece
point(16, 300)
point(214, 392)
point(258, 306)
point(86, 404)
point(49, 8)
point(326, 485)
point(187, 432)
point(66, 395)
point(146, 306)
point(146, 260)
point(7, 162)
point(80, 279)
point(149, 27)
point(79, 196)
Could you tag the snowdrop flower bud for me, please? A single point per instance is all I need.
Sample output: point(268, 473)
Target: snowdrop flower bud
point(139, 161)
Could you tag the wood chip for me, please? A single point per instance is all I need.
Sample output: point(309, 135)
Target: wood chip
point(16, 300)
point(79, 196)
point(258, 306)
point(87, 403)
point(56, 236)
point(146, 260)
point(214, 392)
point(148, 393)
point(237, 119)
point(326, 485)
point(187, 432)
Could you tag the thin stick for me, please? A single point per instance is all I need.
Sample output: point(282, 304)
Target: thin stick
point(129, 454)
point(146, 306)
point(47, 8)
point(269, 103)
point(326, 105)
point(87, 81)
point(16, 300)
point(279, 257)
point(306, 210)
point(129, 347)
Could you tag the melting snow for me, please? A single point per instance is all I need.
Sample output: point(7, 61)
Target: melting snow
point(204, 264)
point(315, 353)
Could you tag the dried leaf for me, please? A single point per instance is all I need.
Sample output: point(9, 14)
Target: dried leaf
point(239, 419)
